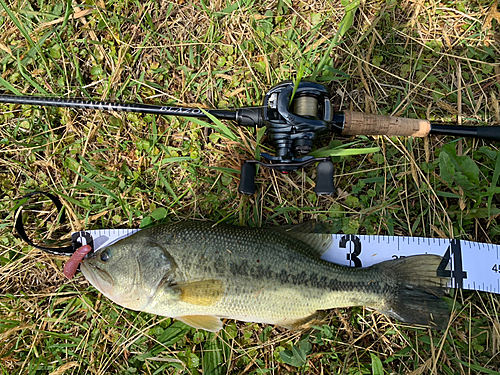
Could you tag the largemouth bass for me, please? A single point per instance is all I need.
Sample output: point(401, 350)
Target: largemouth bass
point(198, 272)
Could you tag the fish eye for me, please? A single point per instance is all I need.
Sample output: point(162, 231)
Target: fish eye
point(105, 255)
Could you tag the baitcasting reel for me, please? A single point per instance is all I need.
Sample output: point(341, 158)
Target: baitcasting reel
point(292, 125)
point(292, 132)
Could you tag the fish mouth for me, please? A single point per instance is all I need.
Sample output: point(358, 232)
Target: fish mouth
point(99, 278)
point(103, 282)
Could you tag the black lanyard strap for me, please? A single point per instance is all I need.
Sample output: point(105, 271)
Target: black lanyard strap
point(19, 226)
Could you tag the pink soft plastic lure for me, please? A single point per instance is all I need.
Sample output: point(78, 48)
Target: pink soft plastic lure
point(72, 264)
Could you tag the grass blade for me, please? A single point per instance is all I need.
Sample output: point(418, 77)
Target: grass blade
point(327, 151)
point(494, 181)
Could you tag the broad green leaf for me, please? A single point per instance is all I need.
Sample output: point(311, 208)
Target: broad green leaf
point(231, 8)
point(337, 71)
point(300, 73)
point(483, 212)
point(463, 164)
point(146, 221)
point(260, 134)
point(100, 187)
point(288, 356)
point(174, 333)
point(459, 171)
point(446, 167)
point(159, 213)
point(299, 354)
point(225, 170)
point(469, 168)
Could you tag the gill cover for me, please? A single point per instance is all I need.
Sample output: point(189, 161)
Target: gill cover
point(129, 273)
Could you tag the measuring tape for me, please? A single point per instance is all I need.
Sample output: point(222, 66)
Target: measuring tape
point(469, 265)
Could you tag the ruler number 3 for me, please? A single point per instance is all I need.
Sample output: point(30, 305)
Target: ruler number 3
point(353, 254)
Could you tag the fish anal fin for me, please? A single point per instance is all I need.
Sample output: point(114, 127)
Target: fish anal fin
point(201, 293)
point(207, 322)
point(304, 323)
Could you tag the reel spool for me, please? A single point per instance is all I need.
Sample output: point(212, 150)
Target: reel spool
point(306, 106)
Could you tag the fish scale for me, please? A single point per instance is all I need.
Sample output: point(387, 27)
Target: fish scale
point(239, 262)
point(199, 272)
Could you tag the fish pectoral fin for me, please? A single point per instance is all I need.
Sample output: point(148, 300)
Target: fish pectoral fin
point(207, 322)
point(305, 323)
point(201, 293)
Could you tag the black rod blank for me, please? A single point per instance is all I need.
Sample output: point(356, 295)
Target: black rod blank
point(481, 132)
point(244, 116)
point(116, 106)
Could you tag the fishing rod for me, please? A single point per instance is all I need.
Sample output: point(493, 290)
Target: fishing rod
point(292, 125)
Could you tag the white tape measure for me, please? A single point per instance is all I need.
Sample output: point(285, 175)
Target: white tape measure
point(470, 265)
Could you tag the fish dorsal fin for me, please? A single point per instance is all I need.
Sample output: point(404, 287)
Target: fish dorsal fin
point(207, 322)
point(310, 233)
point(201, 293)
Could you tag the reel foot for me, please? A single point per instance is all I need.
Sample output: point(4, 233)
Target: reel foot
point(324, 182)
point(247, 180)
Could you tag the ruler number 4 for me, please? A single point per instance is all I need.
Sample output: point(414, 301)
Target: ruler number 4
point(454, 251)
point(457, 273)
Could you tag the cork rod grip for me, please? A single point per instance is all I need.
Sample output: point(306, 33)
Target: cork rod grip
point(357, 123)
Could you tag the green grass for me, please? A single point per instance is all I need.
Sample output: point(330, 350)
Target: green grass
point(131, 170)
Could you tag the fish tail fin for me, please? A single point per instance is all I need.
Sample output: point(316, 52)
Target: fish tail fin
point(418, 291)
